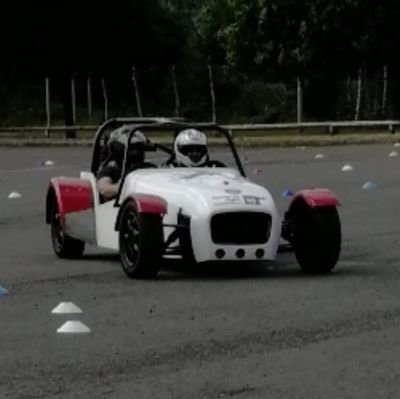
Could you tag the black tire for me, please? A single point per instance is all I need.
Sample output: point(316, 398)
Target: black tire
point(141, 242)
point(316, 237)
point(64, 246)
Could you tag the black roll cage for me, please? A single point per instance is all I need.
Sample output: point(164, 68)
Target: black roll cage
point(156, 124)
point(114, 123)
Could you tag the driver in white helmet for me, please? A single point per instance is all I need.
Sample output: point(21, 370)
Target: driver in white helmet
point(190, 149)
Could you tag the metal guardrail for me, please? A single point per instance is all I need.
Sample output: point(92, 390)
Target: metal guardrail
point(331, 127)
point(28, 129)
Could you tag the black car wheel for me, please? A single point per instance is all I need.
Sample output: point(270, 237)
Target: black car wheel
point(64, 246)
point(316, 237)
point(140, 242)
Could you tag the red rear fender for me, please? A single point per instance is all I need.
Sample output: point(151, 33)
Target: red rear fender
point(317, 197)
point(71, 194)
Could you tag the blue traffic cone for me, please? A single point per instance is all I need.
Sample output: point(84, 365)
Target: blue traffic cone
point(3, 291)
point(369, 185)
point(288, 193)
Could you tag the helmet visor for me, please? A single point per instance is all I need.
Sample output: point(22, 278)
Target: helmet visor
point(195, 152)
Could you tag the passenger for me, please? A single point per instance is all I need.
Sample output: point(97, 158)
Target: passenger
point(109, 174)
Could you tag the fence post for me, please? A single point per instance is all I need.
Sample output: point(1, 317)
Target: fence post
point(47, 101)
point(105, 98)
point(384, 90)
point(73, 100)
point(299, 101)
point(176, 91)
point(137, 94)
point(212, 92)
point(359, 93)
point(89, 96)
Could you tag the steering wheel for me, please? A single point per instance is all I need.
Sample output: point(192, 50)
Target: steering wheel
point(145, 165)
point(216, 164)
point(142, 165)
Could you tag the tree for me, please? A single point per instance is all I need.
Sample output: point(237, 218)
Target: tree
point(63, 37)
point(317, 40)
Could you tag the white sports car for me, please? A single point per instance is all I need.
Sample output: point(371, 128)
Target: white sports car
point(202, 214)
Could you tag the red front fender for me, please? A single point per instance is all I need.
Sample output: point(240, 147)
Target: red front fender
point(145, 203)
point(317, 197)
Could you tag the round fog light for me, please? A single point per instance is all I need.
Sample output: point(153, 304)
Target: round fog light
point(240, 253)
point(219, 253)
point(260, 253)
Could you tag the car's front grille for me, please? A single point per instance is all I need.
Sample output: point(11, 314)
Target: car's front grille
point(239, 228)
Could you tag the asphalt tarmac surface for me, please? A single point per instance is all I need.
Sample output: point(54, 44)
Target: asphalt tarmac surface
point(262, 332)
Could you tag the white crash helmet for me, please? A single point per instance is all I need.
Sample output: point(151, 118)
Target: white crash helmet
point(190, 148)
